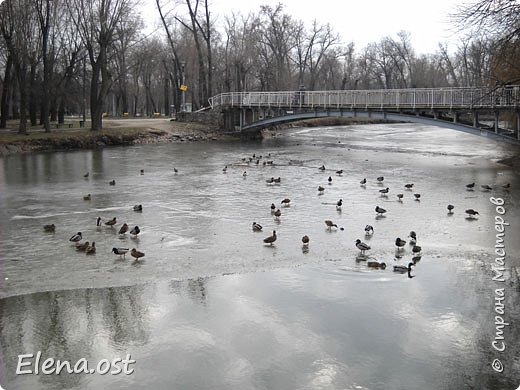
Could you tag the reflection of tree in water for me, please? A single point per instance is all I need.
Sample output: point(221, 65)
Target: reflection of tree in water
point(125, 316)
point(196, 288)
point(69, 325)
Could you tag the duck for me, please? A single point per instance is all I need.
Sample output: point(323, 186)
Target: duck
point(135, 231)
point(380, 179)
point(270, 181)
point(416, 249)
point(224, 170)
point(321, 189)
point(120, 251)
point(363, 182)
point(49, 228)
point(112, 182)
point(285, 202)
point(136, 254)
point(506, 186)
point(450, 208)
point(408, 186)
point(141, 171)
point(470, 186)
point(339, 203)
point(277, 214)
point(330, 224)
point(369, 230)
point(86, 174)
point(417, 196)
point(376, 264)
point(112, 222)
point(305, 240)
point(76, 237)
point(270, 239)
point(138, 207)
point(257, 227)
point(402, 268)
point(273, 208)
point(472, 212)
point(322, 168)
point(175, 171)
point(123, 229)
point(485, 187)
point(340, 172)
point(82, 247)
point(91, 249)
point(413, 237)
point(362, 246)
point(330, 179)
point(400, 197)
point(244, 174)
point(277, 180)
point(384, 191)
point(399, 243)
point(87, 197)
point(380, 210)
point(98, 221)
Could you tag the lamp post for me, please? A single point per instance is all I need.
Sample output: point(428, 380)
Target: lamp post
point(183, 87)
point(84, 92)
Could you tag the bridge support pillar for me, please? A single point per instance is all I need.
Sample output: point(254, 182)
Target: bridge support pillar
point(475, 119)
point(518, 125)
point(455, 117)
point(497, 114)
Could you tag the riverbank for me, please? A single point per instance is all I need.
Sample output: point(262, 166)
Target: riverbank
point(124, 132)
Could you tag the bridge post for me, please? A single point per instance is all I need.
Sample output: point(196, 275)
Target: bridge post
point(518, 125)
point(496, 121)
point(475, 118)
point(455, 117)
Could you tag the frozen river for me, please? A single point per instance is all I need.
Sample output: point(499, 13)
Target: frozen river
point(211, 307)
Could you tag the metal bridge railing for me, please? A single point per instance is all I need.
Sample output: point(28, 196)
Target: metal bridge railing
point(416, 98)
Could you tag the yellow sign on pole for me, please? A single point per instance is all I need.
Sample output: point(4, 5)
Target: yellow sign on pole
point(184, 87)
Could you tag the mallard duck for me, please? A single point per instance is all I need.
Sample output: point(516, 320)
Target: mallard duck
point(82, 247)
point(87, 197)
point(91, 249)
point(322, 168)
point(86, 175)
point(470, 186)
point(450, 208)
point(123, 229)
point(380, 210)
point(362, 246)
point(384, 191)
point(257, 227)
point(76, 237)
point(224, 170)
point(112, 182)
point(273, 208)
point(399, 243)
point(400, 197)
point(402, 268)
point(112, 222)
point(136, 254)
point(376, 264)
point(135, 231)
point(416, 249)
point(244, 174)
point(330, 224)
point(340, 172)
point(98, 221)
point(175, 170)
point(413, 237)
point(120, 251)
point(485, 187)
point(277, 180)
point(472, 212)
point(271, 239)
point(363, 182)
point(330, 180)
point(305, 240)
point(506, 186)
point(277, 214)
point(49, 228)
point(408, 186)
point(339, 203)
point(138, 207)
point(321, 189)
point(285, 202)
point(380, 179)
point(141, 171)
point(369, 230)
point(417, 196)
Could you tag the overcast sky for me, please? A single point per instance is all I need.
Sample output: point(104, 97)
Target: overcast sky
point(359, 21)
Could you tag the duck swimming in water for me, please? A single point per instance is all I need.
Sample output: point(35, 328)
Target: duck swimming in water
point(49, 228)
point(330, 224)
point(269, 240)
point(136, 254)
point(402, 269)
point(362, 246)
point(305, 240)
point(120, 251)
point(257, 227)
point(76, 237)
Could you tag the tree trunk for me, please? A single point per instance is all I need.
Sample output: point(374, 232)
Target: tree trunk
point(33, 104)
point(22, 80)
point(6, 86)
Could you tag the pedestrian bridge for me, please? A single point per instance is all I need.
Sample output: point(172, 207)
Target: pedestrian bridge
point(483, 111)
